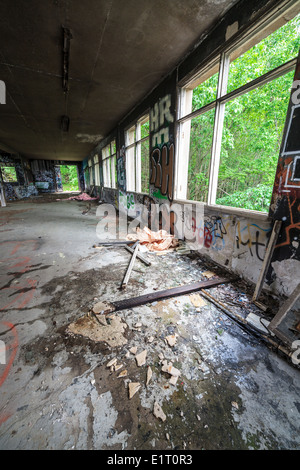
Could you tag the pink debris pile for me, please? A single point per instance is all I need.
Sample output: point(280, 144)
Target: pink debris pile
point(83, 197)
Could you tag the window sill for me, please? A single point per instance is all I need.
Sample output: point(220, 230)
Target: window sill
point(237, 211)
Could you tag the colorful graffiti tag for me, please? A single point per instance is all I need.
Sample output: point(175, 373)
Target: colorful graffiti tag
point(162, 169)
point(285, 204)
point(162, 155)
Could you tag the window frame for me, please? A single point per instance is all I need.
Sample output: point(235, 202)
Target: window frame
point(109, 161)
point(133, 152)
point(235, 48)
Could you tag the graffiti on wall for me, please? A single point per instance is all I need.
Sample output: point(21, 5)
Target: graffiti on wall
point(162, 169)
point(162, 156)
point(18, 189)
point(253, 237)
point(160, 119)
point(285, 204)
point(121, 173)
point(218, 233)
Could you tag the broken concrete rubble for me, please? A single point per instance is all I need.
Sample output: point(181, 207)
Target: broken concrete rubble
point(141, 358)
point(112, 362)
point(112, 334)
point(158, 412)
point(122, 374)
point(149, 375)
point(170, 369)
point(133, 388)
point(103, 307)
point(171, 339)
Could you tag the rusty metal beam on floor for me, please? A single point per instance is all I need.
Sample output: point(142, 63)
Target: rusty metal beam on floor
point(168, 293)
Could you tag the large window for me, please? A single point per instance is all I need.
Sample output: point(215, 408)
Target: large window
point(109, 165)
point(232, 117)
point(137, 156)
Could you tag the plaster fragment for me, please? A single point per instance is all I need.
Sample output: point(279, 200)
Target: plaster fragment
point(133, 388)
point(158, 412)
point(141, 358)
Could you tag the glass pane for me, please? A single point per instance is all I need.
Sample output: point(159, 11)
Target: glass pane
point(106, 151)
point(199, 156)
point(273, 51)
point(130, 136)
point(145, 129)
point(113, 147)
point(130, 169)
point(97, 175)
point(252, 134)
point(205, 93)
point(145, 166)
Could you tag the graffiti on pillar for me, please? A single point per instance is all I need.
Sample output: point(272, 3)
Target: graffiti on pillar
point(162, 169)
point(162, 155)
point(160, 119)
point(121, 174)
point(285, 204)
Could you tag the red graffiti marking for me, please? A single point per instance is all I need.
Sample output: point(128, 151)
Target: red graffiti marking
point(30, 286)
point(204, 236)
point(4, 417)
point(25, 261)
point(19, 244)
point(22, 294)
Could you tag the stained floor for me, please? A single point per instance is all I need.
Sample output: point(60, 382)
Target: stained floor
point(233, 392)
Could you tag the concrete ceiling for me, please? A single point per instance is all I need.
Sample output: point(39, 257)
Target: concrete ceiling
point(118, 52)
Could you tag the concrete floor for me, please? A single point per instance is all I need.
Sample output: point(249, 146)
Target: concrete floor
point(57, 392)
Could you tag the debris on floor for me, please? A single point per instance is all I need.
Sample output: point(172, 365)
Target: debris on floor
point(82, 197)
point(197, 300)
point(158, 412)
point(141, 358)
point(112, 333)
point(149, 375)
point(154, 241)
point(133, 388)
point(171, 339)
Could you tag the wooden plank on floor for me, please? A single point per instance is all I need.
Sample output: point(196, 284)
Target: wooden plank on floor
point(168, 293)
point(130, 266)
point(139, 256)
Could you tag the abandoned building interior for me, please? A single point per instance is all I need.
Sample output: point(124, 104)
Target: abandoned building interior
point(150, 225)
